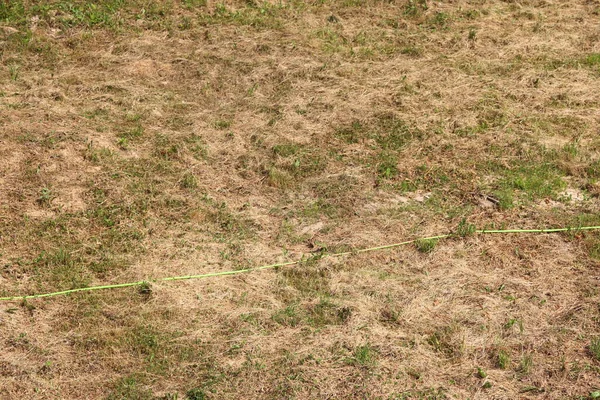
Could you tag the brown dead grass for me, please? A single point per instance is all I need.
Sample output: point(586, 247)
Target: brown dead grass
point(178, 140)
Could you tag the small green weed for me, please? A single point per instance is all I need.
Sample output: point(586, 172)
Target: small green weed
point(514, 321)
point(123, 143)
point(45, 197)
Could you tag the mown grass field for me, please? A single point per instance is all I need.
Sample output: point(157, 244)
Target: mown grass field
point(144, 139)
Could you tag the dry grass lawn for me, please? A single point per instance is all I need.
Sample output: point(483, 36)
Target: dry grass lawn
point(144, 139)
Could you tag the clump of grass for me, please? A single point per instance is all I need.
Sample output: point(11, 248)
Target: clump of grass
point(189, 181)
point(165, 148)
point(593, 246)
point(387, 166)
point(61, 270)
point(414, 8)
point(328, 313)
point(392, 133)
point(13, 70)
point(389, 315)
point(129, 387)
point(505, 198)
point(534, 180)
point(227, 222)
point(526, 364)
point(595, 348)
point(593, 169)
point(426, 245)
point(503, 359)
point(352, 133)
point(286, 149)
point(592, 60)
point(293, 162)
point(222, 124)
point(444, 341)
point(465, 229)
point(472, 34)
point(308, 277)
point(196, 394)
point(280, 179)
point(45, 197)
point(364, 356)
point(145, 288)
point(289, 316)
point(431, 393)
point(412, 51)
point(440, 20)
point(481, 373)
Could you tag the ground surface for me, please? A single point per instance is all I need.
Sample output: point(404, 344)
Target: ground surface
point(143, 139)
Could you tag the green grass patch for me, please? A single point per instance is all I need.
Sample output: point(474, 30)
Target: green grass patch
point(529, 182)
point(592, 60)
point(294, 162)
point(308, 277)
point(67, 13)
point(261, 15)
point(363, 356)
point(130, 387)
point(60, 270)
